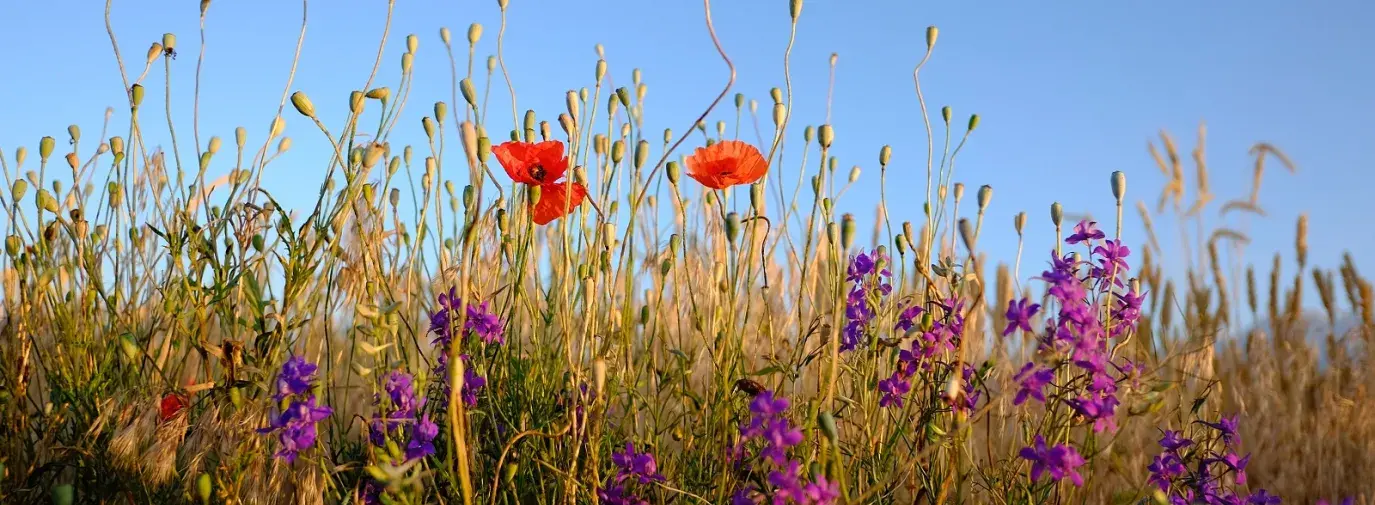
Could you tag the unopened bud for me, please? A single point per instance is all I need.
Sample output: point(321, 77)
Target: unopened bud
point(985, 195)
point(45, 148)
point(967, 234)
point(795, 9)
point(412, 43)
point(1019, 222)
point(780, 113)
point(945, 114)
point(441, 110)
point(825, 135)
point(1057, 213)
point(885, 154)
point(757, 197)
point(847, 230)
point(445, 35)
point(973, 122)
point(641, 153)
point(469, 94)
point(74, 132)
point(931, 33)
point(214, 145)
point(136, 95)
point(1119, 185)
point(854, 174)
point(154, 51)
point(381, 93)
point(302, 104)
point(600, 71)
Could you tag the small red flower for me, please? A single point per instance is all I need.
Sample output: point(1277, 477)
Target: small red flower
point(542, 164)
point(727, 163)
point(172, 404)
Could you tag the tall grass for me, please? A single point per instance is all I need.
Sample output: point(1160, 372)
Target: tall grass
point(161, 327)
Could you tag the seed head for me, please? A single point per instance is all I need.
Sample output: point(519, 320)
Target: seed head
point(967, 235)
point(795, 9)
point(945, 114)
point(45, 148)
point(780, 113)
point(407, 60)
point(826, 136)
point(22, 152)
point(1057, 212)
point(601, 70)
point(973, 122)
point(445, 35)
point(278, 124)
point(441, 110)
point(46, 201)
point(1119, 185)
point(757, 197)
point(985, 195)
point(1019, 222)
point(885, 154)
point(641, 153)
point(18, 189)
point(154, 51)
point(732, 226)
point(847, 230)
point(854, 174)
point(214, 145)
point(136, 94)
point(302, 104)
point(673, 171)
point(931, 33)
point(382, 93)
point(668, 135)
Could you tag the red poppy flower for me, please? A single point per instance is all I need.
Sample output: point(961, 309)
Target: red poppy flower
point(172, 404)
point(727, 163)
point(542, 164)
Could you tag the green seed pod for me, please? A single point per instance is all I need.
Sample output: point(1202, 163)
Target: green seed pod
point(258, 242)
point(491, 63)
point(973, 122)
point(739, 100)
point(827, 423)
point(407, 60)
point(136, 95)
point(901, 242)
point(854, 174)
point(1119, 186)
point(816, 185)
point(46, 201)
point(534, 194)
point(732, 226)
point(623, 95)
point(617, 151)
point(776, 94)
point(20, 153)
point(12, 245)
point(673, 171)
point(945, 114)
point(570, 100)
point(302, 104)
point(45, 148)
point(757, 197)
point(484, 149)
point(985, 195)
point(214, 145)
point(203, 487)
point(445, 35)
point(116, 194)
point(1019, 223)
point(529, 120)
point(18, 190)
point(808, 133)
point(278, 125)
point(832, 233)
point(665, 266)
point(382, 93)
point(394, 197)
point(205, 160)
point(826, 206)
point(721, 129)
point(469, 196)
point(441, 110)
point(641, 153)
point(668, 135)
point(393, 165)
point(931, 33)
point(795, 9)
point(515, 136)
point(74, 132)
point(1057, 212)
point(907, 232)
point(780, 114)
point(600, 71)
point(412, 43)
point(847, 230)
point(169, 41)
point(885, 154)
point(428, 125)
point(826, 134)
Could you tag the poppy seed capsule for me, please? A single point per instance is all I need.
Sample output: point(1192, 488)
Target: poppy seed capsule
point(973, 122)
point(985, 195)
point(491, 63)
point(739, 100)
point(284, 145)
point(74, 132)
point(720, 128)
point(302, 104)
point(641, 153)
point(826, 134)
point(406, 61)
point(484, 149)
point(441, 110)
point(617, 151)
point(45, 148)
point(381, 93)
point(136, 95)
point(668, 135)
point(808, 133)
point(600, 70)
point(445, 35)
point(474, 33)
point(847, 230)
point(12, 245)
point(570, 101)
point(780, 114)
point(21, 152)
point(754, 106)
point(1057, 212)
point(854, 174)
point(900, 242)
point(566, 123)
point(945, 114)
point(529, 119)
point(826, 206)
point(757, 197)
point(1119, 185)
point(465, 86)
point(18, 190)
point(816, 186)
point(732, 226)
point(394, 197)
point(832, 233)
point(214, 145)
point(959, 192)
point(46, 201)
point(885, 154)
point(623, 95)
point(154, 51)
point(673, 171)
point(795, 9)
point(931, 33)
point(1019, 222)
point(278, 124)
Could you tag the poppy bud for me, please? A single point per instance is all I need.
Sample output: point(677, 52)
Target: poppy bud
point(381, 93)
point(816, 185)
point(45, 148)
point(491, 63)
point(302, 104)
point(204, 160)
point(641, 153)
point(1019, 222)
point(534, 194)
point(46, 201)
point(847, 230)
point(12, 245)
point(901, 242)
point(795, 9)
point(136, 95)
point(601, 70)
point(1057, 212)
point(529, 119)
point(203, 487)
point(20, 153)
point(827, 423)
point(776, 94)
point(284, 145)
point(74, 132)
point(754, 106)
point(959, 191)
point(484, 149)
point(668, 135)
point(808, 133)
point(732, 226)
point(832, 233)
point(931, 33)
point(757, 197)
point(623, 95)
point(831, 164)
point(780, 113)
point(278, 124)
point(1119, 185)
point(407, 60)
point(854, 174)
point(945, 114)
point(720, 128)
point(154, 51)
point(967, 234)
point(18, 190)
point(116, 194)
point(973, 122)
point(617, 151)
point(739, 100)
point(441, 110)
point(826, 134)
point(665, 266)
point(428, 125)
point(985, 194)
point(469, 94)
point(571, 102)
point(885, 154)
point(444, 35)
point(826, 206)
point(214, 145)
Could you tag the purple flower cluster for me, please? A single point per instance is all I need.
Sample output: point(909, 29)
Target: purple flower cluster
point(480, 322)
point(400, 417)
point(1208, 470)
point(769, 425)
point(295, 424)
point(1060, 461)
point(870, 277)
point(631, 468)
point(942, 336)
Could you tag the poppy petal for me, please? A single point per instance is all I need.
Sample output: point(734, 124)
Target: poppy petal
point(726, 163)
point(531, 162)
point(556, 200)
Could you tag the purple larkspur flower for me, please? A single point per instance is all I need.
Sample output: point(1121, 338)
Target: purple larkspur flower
point(295, 377)
point(1019, 314)
point(295, 424)
point(1262, 497)
point(1164, 469)
point(422, 438)
point(894, 390)
point(639, 465)
point(1031, 382)
point(1234, 463)
point(1227, 427)
point(1112, 259)
point(821, 491)
point(1172, 441)
point(1099, 409)
point(1060, 461)
point(485, 324)
point(1085, 231)
point(786, 485)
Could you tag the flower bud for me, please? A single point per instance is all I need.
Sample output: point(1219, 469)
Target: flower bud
point(808, 133)
point(1119, 185)
point(74, 132)
point(214, 145)
point(825, 135)
point(617, 151)
point(757, 197)
point(641, 153)
point(623, 95)
point(985, 195)
point(18, 189)
point(45, 148)
point(278, 124)
point(1019, 222)
point(441, 110)
point(20, 153)
point(12, 245)
point(795, 9)
point(600, 71)
point(491, 63)
point(931, 33)
point(901, 242)
point(428, 125)
point(827, 423)
point(136, 95)
point(854, 174)
point(945, 114)
point(967, 234)
point(203, 487)
point(381, 93)
point(445, 35)
point(780, 113)
point(973, 122)
point(847, 230)
point(833, 233)
point(407, 60)
point(469, 94)
point(302, 104)
point(959, 191)
point(668, 135)
point(739, 100)
point(1057, 212)
point(284, 145)
point(46, 201)
point(412, 43)
point(885, 154)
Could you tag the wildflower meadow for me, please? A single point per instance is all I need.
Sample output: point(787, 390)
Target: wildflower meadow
point(568, 306)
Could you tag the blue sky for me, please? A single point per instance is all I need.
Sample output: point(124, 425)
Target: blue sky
point(1068, 91)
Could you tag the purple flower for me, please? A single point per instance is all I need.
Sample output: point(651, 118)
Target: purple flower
point(295, 378)
point(908, 318)
point(1031, 382)
point(472, 384)
point(860, 267)
point(422, 438)
point(1227, 427)
point(486, 325)
point(894, 390)
point(1233, 463)
point(640, 465)
point(1261, 497)
point(1164, 469)
point(821, 491)
point(1019, 316)
point(295, 424)
point(1060, 461)
point(780, 436)
point(1173, 442)
point(787, 487)
point(1085, 231)
point(1112, 259)
point(1099, 409)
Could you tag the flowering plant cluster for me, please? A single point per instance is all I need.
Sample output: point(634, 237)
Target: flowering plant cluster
point(771, 431)
point(295, 424)
point(480, 322)
point(632, 469)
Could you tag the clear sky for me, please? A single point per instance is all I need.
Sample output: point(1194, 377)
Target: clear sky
point(1068, 91)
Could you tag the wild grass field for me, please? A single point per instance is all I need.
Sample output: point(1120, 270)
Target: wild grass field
point(563, 307)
